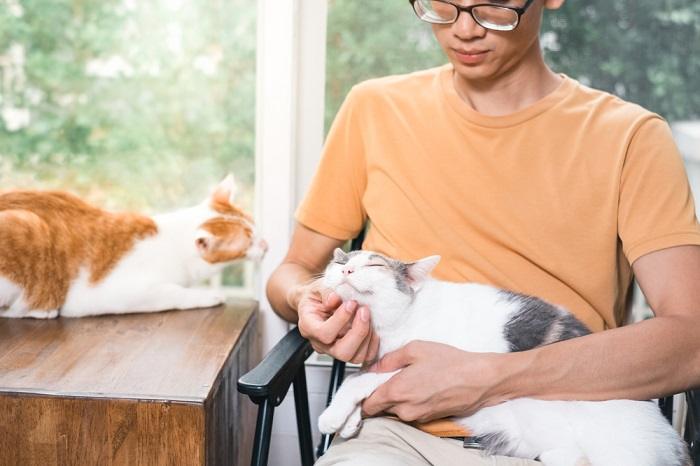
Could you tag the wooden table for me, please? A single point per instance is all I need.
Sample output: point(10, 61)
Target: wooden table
point(141, 389)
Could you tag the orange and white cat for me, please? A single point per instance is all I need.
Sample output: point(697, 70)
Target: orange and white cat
point(60, 255)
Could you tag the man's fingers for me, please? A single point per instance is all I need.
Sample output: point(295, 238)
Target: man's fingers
point(376, 403)
point(373, 349)
point(332, 301)
point(328, 331)
point(393, 361)
point(345, 348)
point(361, 354)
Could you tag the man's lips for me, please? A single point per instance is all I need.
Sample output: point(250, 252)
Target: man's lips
point(471, 56)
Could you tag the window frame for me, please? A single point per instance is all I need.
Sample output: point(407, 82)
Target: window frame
point(290, 73)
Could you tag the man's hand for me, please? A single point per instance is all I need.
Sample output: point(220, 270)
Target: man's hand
point(339, 329)
point(436, 381)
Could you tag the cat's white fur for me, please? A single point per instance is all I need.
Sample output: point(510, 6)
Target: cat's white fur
point(158, 273)
point(472, 317)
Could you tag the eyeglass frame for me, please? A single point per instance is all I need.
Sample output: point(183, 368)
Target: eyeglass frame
point(468, 9)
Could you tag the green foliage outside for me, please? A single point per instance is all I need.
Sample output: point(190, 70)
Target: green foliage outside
point(646, 51)
point(131, 104)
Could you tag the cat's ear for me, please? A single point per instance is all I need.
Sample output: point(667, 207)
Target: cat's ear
point(340, 256)
point(226, 190)
point(420, 270)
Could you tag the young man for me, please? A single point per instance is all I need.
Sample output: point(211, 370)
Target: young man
point(520, 178)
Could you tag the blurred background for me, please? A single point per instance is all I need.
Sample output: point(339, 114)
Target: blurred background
point(145, 104)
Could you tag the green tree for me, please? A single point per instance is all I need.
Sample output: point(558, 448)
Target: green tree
point(138, 104)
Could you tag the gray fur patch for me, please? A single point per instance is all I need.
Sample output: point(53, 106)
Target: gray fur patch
point(538, 323)
point(496, 443)
point(340, 257)
point(400, 271)
point(572, 328)
point(401, 277)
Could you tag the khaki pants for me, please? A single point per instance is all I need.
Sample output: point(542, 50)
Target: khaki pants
point(387, 442)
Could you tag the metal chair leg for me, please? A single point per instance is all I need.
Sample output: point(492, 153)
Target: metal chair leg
point(666, 407)
point(263, 433)
point(337, 375)
point(692, 425)
point(301, 402)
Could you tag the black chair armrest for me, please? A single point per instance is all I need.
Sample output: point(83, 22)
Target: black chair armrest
point(268, 383)
point(272, 377)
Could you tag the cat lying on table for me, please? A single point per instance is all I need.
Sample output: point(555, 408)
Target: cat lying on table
point(62, 256)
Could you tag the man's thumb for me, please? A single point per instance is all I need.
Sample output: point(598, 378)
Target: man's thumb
point(392, 361)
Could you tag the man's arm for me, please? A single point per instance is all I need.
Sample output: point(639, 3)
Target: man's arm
point(646, 360)
point(340, 329)
point(307, 257)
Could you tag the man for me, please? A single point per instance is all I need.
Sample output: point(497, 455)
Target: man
point(520, 178)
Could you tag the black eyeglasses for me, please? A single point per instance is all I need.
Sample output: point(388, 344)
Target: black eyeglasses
point(488, 15)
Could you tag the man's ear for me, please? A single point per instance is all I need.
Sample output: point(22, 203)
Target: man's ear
point(419, 271)
point(553, 4)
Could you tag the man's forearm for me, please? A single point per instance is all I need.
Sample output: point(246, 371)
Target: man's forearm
point(280, 289)
point(642, 361)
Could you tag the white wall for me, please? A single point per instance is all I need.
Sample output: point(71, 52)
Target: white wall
point(289, 135)
point(289, 125)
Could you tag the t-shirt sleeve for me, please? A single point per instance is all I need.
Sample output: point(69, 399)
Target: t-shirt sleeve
point(333, 204)
point(656, 208)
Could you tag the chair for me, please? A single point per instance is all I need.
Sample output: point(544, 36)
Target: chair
point(268, 383)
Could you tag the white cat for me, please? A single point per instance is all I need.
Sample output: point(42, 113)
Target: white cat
point(60, 255)
point(406, 305)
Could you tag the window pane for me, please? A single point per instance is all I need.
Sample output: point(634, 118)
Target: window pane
point(645, 51)
point(370, 38)
point(130, 104)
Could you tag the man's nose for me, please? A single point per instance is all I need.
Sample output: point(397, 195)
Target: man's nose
point(466, 27)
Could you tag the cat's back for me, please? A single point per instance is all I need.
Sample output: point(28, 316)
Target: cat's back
point(469, 316)
point(478, 317)
point(60, 211)
point(46, 237)
point(48, 205)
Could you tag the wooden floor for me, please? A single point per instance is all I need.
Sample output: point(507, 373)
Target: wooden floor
point(142, 389)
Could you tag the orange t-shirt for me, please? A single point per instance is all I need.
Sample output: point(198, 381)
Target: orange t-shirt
point(555, 201)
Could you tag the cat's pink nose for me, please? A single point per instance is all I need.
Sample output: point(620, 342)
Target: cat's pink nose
point(263, 245)
point(348, 270)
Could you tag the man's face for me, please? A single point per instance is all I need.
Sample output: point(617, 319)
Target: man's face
point(480, 54)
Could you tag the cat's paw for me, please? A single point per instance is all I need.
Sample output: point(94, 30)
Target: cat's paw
point(330, 420)
point(50, 314)
point(202, 298)
point(352, 425)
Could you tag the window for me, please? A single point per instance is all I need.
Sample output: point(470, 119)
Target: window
point(132, 105)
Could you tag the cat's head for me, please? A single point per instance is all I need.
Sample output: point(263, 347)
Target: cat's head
point(376, 280)
point(228, 233)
